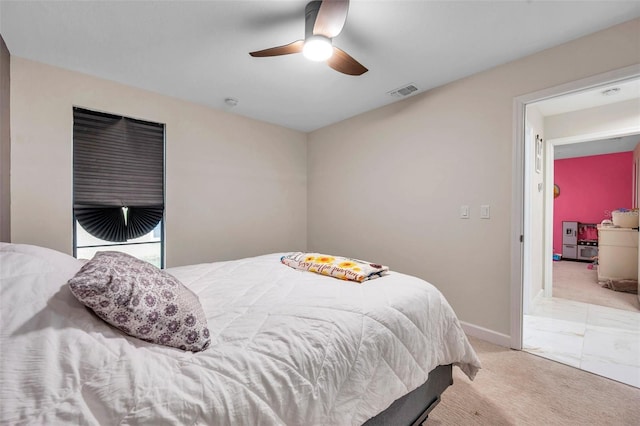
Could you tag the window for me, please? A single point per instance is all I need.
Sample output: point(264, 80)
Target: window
point(118, 186)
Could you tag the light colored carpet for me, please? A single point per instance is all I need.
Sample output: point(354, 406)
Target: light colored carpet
point(518, 388)
point(574, 281)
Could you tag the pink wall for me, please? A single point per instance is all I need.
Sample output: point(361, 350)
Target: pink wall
point(590, 188)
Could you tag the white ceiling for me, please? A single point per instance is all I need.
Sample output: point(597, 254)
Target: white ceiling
point(591, 98)
point(599, 147)
point(198, 51)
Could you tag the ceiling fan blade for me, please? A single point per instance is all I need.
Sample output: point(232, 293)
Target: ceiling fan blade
point(342, 62)
point(287, 49)
point(331, 18)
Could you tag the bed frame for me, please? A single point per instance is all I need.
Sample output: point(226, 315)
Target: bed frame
point(414, 408)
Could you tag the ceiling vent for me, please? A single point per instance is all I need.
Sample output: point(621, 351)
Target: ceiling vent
point(403, 91)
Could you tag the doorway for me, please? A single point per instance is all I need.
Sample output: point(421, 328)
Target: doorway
point(536, 240)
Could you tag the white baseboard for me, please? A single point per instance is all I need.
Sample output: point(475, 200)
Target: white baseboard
point(538, 298)
point(486, 334)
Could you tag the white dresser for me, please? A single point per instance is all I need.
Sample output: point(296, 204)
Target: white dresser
point(617, 253)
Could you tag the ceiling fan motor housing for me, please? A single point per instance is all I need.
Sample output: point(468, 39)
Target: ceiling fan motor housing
point(310, 15)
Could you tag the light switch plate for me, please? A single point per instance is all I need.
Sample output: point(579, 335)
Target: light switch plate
point(464, 212)
point(485, 211)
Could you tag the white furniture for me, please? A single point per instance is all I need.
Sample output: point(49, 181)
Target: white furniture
point(618, 253)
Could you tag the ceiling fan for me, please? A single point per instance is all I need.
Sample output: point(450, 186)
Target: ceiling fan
point(324, 20)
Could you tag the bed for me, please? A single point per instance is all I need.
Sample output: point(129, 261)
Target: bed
point(288, 347)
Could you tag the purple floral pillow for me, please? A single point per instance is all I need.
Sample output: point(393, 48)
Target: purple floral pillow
point(142, 301)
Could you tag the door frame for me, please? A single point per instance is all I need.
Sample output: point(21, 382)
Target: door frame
point(519, 204)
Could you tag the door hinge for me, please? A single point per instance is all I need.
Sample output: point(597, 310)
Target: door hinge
point(521, 238)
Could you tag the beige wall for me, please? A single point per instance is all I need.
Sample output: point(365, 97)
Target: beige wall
point(5, 145)
point(235, 187)
point(387, 185)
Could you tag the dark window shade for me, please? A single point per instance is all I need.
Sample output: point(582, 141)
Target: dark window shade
point(109, 224)
point(117, 162)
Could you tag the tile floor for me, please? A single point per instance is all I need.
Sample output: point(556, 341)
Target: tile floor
point(599, 339)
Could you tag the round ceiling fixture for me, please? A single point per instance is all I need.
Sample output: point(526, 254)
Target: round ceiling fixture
point(317, 48)
point(231, 102)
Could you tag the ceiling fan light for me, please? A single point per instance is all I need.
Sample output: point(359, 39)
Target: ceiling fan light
point(317, 48)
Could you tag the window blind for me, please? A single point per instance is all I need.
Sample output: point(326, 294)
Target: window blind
point(117, 162)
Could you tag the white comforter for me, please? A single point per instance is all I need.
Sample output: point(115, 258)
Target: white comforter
point(288, 347)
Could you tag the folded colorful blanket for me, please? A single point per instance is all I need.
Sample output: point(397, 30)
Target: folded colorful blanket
point(335, 266)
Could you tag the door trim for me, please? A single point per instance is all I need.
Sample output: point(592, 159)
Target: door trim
point(517, 190)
